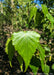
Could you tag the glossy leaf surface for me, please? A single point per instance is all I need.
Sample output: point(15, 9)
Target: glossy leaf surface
point(25, 44)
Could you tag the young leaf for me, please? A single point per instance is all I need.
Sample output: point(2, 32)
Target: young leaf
point(25, 43)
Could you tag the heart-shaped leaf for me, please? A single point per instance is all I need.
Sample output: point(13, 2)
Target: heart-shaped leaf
point(25, 43)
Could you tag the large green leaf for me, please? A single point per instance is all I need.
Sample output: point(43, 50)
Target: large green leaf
point(25, 43)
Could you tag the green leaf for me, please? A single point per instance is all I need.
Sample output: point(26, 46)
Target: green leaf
point(34, 64)
point(51, 19)
point(44, 9)
point(53, 66)
point(47, 48)
point(46, 69)
point(42, 55)
point(42, 51)
point(34, 69)
point(6, 46)
point(19, 58)
point(25, 44)
point(33, 13)
point(49, 16)
point(9, 49)
point(42, 65)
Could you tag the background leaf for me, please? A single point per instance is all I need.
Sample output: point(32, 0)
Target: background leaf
point(53, 66)
point(33, 11)
point(46, 69)
point(42, 55)
point(34, 64)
